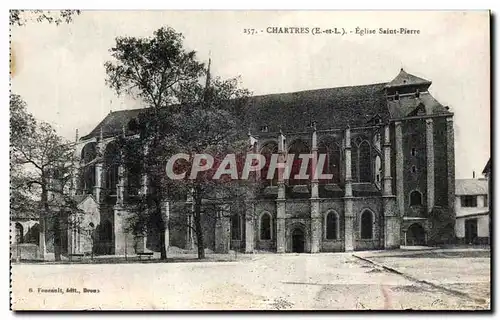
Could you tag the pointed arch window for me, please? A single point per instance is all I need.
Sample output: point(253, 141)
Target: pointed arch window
point(354, 162)
point(365, 172)
point(332, 226)
point(111, 165)
point(361, 164)
point(87, 173)
point(326, 169)
point(297, 148)
point(267, 151)
point(332, 153)
point(335, 156)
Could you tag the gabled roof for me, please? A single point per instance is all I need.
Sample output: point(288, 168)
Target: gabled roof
point(487, 167)
point(406, 79)
point(464, 187)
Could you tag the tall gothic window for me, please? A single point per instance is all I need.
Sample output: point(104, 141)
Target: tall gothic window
point(267, 151)
point(111, 164)
point(297, 148)
point(332, 160)
point(87, 178)
point(265, 226)
point(133, 178)
point(332, 226)
point(355, 162)
point(326, 169)
point(335, 162)
point(365, 172)
point(361, 164)
point(366, 225)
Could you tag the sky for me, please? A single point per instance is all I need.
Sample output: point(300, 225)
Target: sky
point(59, 70)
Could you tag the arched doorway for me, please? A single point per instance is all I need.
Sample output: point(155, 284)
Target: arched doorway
point(415, 236)
point(104, 244)
point(297, 240)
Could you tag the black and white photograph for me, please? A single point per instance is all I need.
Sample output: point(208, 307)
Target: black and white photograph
point(250, 160)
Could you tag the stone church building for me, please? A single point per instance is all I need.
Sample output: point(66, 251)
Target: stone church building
point(389, 146)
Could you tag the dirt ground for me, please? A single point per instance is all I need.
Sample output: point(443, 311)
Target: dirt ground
point(336, 281)
point(463, 272)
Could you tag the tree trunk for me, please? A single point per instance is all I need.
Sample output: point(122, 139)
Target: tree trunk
point(161, 230)
point(163, 247)
point(45, 210)
point(198, 228)
point(57, 236)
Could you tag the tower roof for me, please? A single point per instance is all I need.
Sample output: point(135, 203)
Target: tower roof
point(404, 79)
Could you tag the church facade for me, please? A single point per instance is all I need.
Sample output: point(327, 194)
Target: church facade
point(390, 153)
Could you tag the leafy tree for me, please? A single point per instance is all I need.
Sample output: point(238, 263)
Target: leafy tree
point(184, 115)
point(21, 17)
point(22, 126)
point(154, 70)
point(206, 123)
point(41, 167)
point(22, 123)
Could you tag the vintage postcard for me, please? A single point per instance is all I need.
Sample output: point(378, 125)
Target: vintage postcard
point(250, 160)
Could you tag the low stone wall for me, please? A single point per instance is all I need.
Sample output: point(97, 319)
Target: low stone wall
point(24, 251)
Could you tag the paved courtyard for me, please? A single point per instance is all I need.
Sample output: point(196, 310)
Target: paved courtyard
point(336, 281)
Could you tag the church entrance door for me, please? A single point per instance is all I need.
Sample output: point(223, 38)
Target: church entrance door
point(298, 240)
point(415, 235)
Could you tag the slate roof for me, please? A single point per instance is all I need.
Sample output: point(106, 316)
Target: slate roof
point(113, 123)
point(465, 187)
point(406, 79)
point(406, 105)
point(329, 108)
